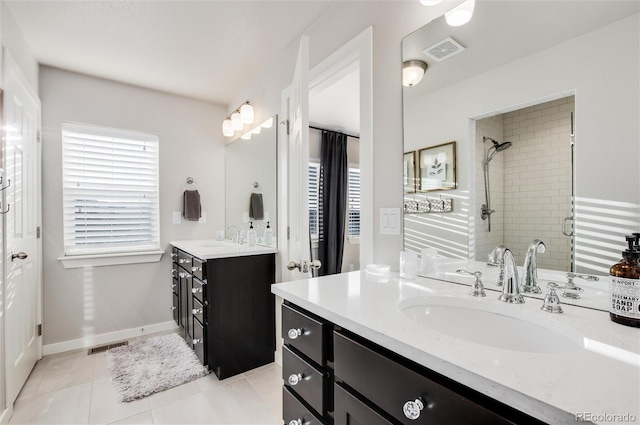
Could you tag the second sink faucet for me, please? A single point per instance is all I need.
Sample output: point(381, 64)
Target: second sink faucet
point(530, 279)
point(235, 238)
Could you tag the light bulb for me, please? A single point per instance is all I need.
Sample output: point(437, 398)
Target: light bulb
point(236, 121)
point(460, 14)
point(246, 113)
point(227, 128)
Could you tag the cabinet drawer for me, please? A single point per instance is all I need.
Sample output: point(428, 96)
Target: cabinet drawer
point(304, 379)
point(305, 333)
point(198, 311)
point(198, 268)
point(174, 254)
point(293, 411)
point(185, 260)
point(198, 341)
point(198, 290)
point(349, 410)
point(389, 385)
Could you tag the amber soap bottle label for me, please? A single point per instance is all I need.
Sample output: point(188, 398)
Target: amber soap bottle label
point(625, 297)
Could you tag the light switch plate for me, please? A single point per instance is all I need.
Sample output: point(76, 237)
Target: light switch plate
point(177, 217)
point(390, 221)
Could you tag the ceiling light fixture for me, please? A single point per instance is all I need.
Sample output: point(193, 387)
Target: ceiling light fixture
point(235, 121)
point(412, 72)
point(460, 14)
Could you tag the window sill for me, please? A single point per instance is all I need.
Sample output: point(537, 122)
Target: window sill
point(77, 261)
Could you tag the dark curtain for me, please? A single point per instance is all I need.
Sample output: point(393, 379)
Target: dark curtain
point(334, 178)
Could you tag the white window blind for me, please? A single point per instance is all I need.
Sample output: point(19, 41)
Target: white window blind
point(314, 204)
point(110, 190)
point(354, 202)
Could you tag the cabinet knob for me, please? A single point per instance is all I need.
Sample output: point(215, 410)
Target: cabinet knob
point(196, 290)
point(173, 286)
point(182, 275)
point(412, 409)
point(173, 308)
point(296, 422)
point(174, 255)
point(294, 378)
point(173, 271)
point(196, 311)
point(184, 260)
point(294, 333)
point(196, 269)
point(197, 341)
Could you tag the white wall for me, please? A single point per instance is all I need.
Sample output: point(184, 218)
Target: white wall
point(84, 302)
point(391, 21)
point(607, 128)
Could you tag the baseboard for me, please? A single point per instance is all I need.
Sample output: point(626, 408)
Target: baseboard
point(107, 338)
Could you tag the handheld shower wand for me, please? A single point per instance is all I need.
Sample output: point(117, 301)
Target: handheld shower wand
point(493, 150)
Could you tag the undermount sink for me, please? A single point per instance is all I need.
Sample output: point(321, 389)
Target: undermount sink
point(492, 325)
point(216, 244)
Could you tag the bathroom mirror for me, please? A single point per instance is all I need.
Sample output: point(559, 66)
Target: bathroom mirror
point(251, 180)
point(499, 79)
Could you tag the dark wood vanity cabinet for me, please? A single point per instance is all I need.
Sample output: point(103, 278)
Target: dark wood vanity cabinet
point(225, 310)
point(358, 382)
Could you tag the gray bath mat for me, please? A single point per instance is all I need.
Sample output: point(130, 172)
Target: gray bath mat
point(152, 365)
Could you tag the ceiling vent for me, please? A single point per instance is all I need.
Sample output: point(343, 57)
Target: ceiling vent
point(444, 49)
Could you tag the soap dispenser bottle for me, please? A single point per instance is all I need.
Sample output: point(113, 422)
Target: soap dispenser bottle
point(251, 235)
point(268, 235)
point(624, 286)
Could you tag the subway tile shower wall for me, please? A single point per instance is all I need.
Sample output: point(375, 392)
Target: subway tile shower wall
point(536, 196)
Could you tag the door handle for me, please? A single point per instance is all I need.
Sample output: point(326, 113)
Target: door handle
point(20, 256)
point(564, 226)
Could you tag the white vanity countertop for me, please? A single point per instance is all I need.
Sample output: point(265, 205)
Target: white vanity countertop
point(207, 249)
point(603, 378)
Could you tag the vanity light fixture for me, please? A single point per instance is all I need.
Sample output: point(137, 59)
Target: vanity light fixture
point(412, 72)
point(460, 14)
point(237, 119)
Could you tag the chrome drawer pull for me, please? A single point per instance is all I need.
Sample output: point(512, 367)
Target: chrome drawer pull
point(197, 341)
point(183, 260)
point(412, 409)
point(294, 333)
point(296, 422)
point(295, 378)
point(196, 311)
point(196, 269)
point(196, 290)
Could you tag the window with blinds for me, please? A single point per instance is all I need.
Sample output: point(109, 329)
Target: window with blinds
point(353, 220)
point(110, 190)
point(354, 202)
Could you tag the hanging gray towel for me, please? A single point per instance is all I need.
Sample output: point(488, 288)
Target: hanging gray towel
point(256, 208)
point(191, 208)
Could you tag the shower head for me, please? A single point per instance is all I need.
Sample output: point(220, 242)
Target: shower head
point(493, 150)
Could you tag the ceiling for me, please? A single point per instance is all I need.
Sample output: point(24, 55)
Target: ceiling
point(201, 49)
point(503, 31)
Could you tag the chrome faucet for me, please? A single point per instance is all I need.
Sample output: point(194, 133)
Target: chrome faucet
point(510, 282)
point(236, 238)
point(530, 279)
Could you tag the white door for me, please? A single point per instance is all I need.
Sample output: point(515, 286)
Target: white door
point(22, 260)
point(295, 107)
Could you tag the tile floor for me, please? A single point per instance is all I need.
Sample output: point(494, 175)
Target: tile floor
point(74, 388)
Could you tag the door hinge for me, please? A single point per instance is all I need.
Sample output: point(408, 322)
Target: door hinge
point(38, 232)
point(288, 232)
point(286, 124)
point(39, 329)
point(38, 136)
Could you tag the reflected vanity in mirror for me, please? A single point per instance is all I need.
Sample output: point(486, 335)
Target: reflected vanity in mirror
point(251, 182)
point(530, 112)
